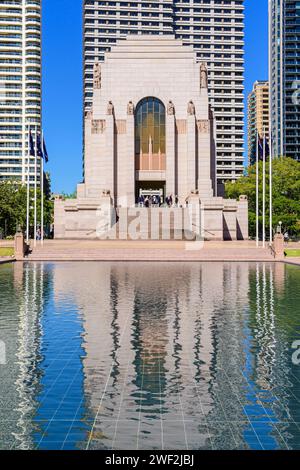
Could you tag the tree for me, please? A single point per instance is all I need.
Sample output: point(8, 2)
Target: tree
point(13, 203)
point(286, 194)
point(72, 195)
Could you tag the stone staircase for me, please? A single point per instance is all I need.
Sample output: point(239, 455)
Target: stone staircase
point(117, 250)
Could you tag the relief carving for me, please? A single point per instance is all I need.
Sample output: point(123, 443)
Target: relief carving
point(98, 126)
point(181, 126)
point(121, 126)
point(203, 126)
point(97, 75)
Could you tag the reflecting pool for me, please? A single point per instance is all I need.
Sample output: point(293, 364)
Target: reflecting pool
point(149, 356)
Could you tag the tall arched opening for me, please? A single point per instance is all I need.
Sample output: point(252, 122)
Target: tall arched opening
point(150, 147)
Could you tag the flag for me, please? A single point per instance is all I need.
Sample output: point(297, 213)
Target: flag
point(41, 148)
point(267, 148)
point(45, 151)
point(260, 147)
point(261, 142)
point(31, 145)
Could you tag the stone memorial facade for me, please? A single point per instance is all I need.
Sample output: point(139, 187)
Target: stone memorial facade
point(150, 132)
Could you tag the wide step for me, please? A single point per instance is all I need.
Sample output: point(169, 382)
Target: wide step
point(145, 251)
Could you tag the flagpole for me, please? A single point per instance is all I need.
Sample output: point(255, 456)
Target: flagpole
point(257, 191)
point(264, 191)
point(271, 187)
point(28, 188)
point(42, 191)
point(35, 186)
point(270, 123)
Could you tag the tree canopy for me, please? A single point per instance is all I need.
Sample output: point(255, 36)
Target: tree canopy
point(13, 202)
point(286, 194)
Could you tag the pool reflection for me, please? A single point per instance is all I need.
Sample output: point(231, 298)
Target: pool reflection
point(149, 356)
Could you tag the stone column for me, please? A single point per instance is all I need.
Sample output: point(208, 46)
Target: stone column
point(191, 153)
point(204, 159)
point(109, 165)
point(130, 162)
point(19, 246)
point(242, 218)
point(170, 155)
point(278, 246)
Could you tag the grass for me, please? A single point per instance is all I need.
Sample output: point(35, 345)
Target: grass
point(6, 252)
point(292, 253)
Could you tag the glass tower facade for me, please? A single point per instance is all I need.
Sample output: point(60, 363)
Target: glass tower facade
point(20, 84)
point(284, 18)
point(215, 28)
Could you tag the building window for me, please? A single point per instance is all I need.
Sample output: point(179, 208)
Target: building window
point(150, 134)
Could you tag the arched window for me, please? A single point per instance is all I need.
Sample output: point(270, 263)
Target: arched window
point(150, 134)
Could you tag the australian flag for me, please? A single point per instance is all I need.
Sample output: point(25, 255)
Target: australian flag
point(41, 148)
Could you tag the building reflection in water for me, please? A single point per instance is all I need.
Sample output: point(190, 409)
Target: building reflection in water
point(167, 355)
point(22, 297)
point(153, 355)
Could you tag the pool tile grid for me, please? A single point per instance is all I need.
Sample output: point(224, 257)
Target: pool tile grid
point(62, 400)
point(120, 407)
point(256, 430)
point(126, 325)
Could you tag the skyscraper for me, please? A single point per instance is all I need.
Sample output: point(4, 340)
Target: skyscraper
point(258, 116)
point(20, 84)
point(215, 28)
point(284, 30)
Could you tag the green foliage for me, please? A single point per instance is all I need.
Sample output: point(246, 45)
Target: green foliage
point(286, 194)
point(13, 202)
point(69, 196)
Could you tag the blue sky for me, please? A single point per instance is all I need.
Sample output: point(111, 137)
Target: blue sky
point(62, 81)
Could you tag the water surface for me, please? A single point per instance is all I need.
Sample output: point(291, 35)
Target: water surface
point(149, 356)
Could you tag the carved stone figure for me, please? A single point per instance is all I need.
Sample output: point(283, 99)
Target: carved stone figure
point(110, 108)
point(106, 192)
point(170, 108)
point(130, 108)
point(97, 75)
point(89, 113)
point(203, 75)
point(191, 108)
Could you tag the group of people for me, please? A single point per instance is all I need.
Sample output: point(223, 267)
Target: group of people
point(170, 202)
point(156, 200)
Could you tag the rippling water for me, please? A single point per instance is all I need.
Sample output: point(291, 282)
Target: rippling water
point(149, 356)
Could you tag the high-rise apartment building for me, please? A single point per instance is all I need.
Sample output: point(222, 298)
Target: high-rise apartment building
point(20, 84)
point(215, 28)
point(284, 22)
point(258, 116)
